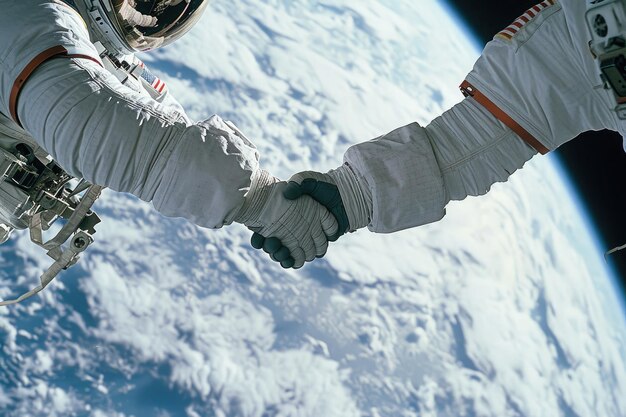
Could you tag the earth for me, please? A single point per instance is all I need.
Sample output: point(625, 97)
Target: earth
point(504, 308)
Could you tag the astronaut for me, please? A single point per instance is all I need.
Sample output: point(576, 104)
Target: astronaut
point(535, 87)
point(70, 83)
point(69, 80)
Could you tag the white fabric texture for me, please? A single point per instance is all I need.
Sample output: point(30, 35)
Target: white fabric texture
point(405, 181)
point(102, 131)
point(302, 225)
point(544, 78)
point(355, 195)
point(109, 134)
point(29, 27)
point(474, 150)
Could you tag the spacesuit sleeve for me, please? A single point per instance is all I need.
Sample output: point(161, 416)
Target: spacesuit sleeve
point(100, 130)
point(158, 90)
point(173, 106)
point(539, 85)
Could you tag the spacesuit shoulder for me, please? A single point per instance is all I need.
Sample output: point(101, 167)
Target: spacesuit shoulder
point(29, 28)
point(540, 73)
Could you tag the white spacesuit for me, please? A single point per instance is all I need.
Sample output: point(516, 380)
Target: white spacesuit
point(76, 102)
point(536, 86)
point(85, 102)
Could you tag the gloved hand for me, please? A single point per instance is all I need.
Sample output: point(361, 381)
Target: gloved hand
point(339, 191)
point(297, 230)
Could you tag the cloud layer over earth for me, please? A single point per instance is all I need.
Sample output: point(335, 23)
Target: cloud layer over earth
point(502, 309)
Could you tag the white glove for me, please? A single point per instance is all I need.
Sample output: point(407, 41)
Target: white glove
point(338, 193)
point(341, 191)
point(291, 231)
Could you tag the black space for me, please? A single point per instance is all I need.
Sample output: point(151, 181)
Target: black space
point(595, 161)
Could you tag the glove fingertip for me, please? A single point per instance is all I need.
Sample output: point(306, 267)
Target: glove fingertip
point(288, 263)
point(272, 245)
point(257, 240)
point(292, 191)
point(282, 254)
point(334, 237)
point(308, 186)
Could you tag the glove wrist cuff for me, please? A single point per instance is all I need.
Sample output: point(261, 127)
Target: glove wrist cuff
point(355, 194)
point(256, 197)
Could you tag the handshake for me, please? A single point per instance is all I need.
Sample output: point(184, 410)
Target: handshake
point(294, 221)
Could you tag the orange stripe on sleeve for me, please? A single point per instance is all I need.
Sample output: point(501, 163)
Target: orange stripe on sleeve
point(469, 90)
point(30, 68)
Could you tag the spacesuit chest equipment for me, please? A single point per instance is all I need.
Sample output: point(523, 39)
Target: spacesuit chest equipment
point(133, 73)
point(606, 21)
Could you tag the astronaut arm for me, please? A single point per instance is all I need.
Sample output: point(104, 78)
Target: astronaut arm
point(102, 131)
point(542, 80)
point(420, 169)
point(173, 105)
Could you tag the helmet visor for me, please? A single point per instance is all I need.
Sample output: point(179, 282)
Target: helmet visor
point(151, 24)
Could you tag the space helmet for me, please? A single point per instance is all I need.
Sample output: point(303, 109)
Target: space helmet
point(128, 26)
